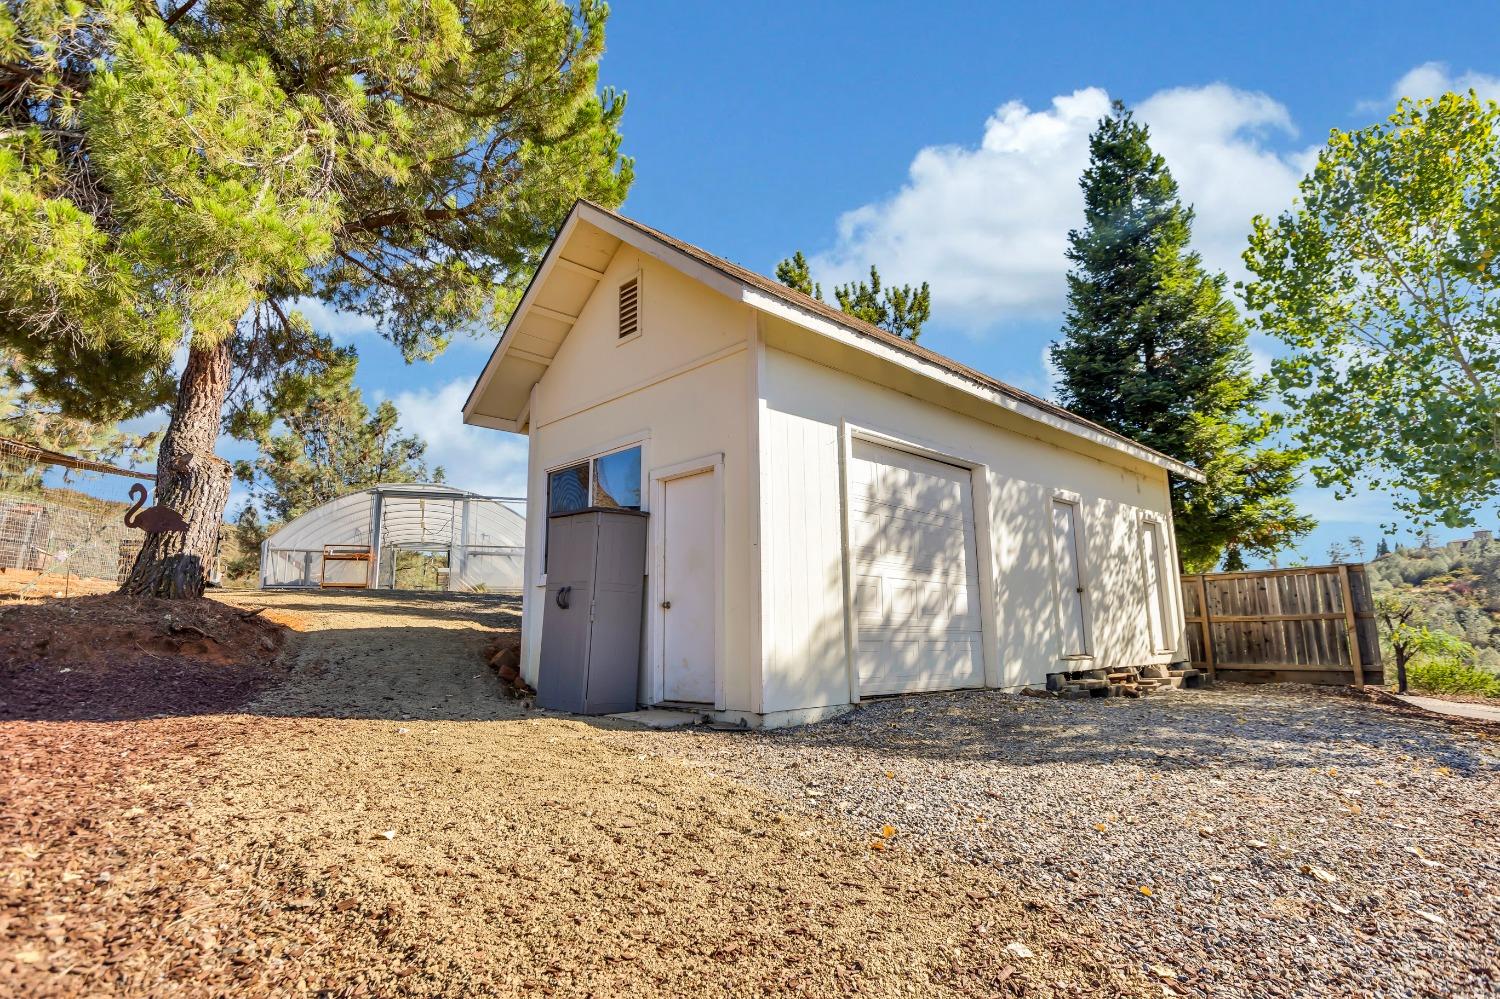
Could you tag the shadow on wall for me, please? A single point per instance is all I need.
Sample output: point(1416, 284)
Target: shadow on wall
point(909, 588)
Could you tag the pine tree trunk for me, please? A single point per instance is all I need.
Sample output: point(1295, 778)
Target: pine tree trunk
point(190, 479)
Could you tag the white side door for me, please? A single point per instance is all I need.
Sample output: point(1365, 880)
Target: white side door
point(915, 571)
point(688, 588)
point(1069, 575)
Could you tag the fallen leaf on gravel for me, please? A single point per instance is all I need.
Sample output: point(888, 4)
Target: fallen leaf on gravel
point(1017, 949)
point(1101, 827)
point(1146, 890)
point(878, 844)
point(887, 831)
point(891, 774)
point(1431, 917)
point(1327, 877)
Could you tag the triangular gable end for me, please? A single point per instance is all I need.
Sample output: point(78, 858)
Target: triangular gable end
point(575, 263)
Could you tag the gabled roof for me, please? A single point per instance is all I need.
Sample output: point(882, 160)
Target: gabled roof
point(770, 295)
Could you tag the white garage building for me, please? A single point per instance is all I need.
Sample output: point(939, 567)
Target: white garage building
point(835, 512)
point(400, 536)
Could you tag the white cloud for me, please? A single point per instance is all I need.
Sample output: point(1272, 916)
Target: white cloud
point(1433, 78)
point(351, 327)
point(343, 327)
point(988, 224)
point(486, 461)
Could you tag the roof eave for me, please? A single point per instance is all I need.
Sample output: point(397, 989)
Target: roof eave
point(852, 337)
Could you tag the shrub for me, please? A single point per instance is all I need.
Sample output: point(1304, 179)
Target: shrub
point(1450, 676)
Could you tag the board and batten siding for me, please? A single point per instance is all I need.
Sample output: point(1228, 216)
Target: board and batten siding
point(806, 409)
point(802, 603)
point(680, 388)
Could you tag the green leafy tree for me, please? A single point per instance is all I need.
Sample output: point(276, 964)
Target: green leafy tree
point(318, 440)
point(900, 310)
point(1154, 349)
point(185, 177)
point(1384, 283)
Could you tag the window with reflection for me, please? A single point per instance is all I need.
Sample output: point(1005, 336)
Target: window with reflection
point(617, 480)
point(611, 481)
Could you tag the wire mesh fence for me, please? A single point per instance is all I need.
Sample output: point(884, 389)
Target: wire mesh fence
point(62, 528)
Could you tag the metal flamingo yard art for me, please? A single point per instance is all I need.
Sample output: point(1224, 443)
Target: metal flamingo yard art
point(155, 520)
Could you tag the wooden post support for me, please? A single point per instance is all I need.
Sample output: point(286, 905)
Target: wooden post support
point(1208, 635)
point(1350, 628)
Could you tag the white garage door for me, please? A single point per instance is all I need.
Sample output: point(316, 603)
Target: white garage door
point(915, 568)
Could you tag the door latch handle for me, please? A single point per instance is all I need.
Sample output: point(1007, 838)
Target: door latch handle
point(562, 596)
point(1080, 589)
point(666, 605)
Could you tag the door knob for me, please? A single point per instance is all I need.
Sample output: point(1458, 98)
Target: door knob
point(666, 605)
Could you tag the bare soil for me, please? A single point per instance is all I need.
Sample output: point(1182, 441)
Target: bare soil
point(379, 819)
point(113, 657)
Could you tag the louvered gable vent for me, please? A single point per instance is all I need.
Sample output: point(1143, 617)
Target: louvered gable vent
point(630, 307)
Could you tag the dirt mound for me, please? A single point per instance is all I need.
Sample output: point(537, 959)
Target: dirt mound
point(117, 657)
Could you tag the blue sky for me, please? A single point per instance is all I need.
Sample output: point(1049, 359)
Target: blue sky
point(943, 141)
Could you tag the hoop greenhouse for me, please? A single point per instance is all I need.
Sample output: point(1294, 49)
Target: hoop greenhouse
point(401, 537)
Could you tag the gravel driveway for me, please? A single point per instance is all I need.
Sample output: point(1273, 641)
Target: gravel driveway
point(1235, 842)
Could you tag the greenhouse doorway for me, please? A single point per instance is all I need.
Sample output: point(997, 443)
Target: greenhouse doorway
point(415, 566)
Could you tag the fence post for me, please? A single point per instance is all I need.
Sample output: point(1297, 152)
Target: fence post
point(1350, 627)
point(1203, 622)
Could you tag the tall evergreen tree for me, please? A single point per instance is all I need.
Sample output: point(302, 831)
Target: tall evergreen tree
point(900, 310)
point(1153, 348)
point(318, 440)
point(796, 273)
point(182, 175)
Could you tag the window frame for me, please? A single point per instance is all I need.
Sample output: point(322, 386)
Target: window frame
point(588, 460)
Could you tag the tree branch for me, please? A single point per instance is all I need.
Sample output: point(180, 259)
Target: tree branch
point(177, 14)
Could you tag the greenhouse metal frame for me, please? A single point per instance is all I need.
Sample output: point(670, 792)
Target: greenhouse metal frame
point(401, 536)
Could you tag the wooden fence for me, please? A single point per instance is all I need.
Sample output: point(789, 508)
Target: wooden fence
point(1309, 625)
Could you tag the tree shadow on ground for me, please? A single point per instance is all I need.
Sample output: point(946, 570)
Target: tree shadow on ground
point(1233, 726)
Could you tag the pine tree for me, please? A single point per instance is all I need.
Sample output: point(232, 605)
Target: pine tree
point(900, 310)
point(180, 176)
point(29, 416)
point(796, 273)
point(318, 440)
point(1382, 547)
point(1153, 348)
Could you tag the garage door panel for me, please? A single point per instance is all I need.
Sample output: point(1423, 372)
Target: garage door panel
point(904, 665)
point(914, 555)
